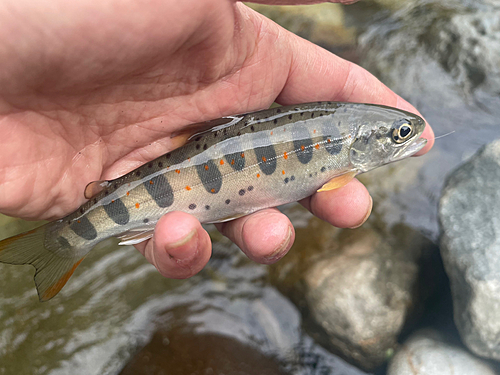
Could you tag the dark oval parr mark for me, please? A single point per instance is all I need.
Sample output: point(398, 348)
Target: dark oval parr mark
point(160, 190)
point(266, 156)
point(210, 176)
point(84, 228)
point(117, 212)
point(303, 144)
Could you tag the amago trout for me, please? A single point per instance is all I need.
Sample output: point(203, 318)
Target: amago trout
point(242, 164)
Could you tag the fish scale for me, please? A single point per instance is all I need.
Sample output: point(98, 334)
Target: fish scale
point(242, 164)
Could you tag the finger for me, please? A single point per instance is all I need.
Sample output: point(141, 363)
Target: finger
point(346, 207)
point(180, 247)
point(264, 236)
point(316, 74)
point(302, 2)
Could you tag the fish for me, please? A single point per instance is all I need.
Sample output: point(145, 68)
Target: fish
point(235, 166)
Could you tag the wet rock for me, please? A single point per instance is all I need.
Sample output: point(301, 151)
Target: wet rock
point(357, 289)
point(427, 353)
point(323, 24)
point(470, 245)
point(180, 352)
point(443, 56)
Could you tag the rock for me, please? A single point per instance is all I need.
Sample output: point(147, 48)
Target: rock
point(469, 215)
point(322, 24)
point(180, 352)
point(427, 353)
point(444, 58)
point(357, 289)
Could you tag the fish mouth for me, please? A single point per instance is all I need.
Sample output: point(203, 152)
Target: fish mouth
point(410, 149)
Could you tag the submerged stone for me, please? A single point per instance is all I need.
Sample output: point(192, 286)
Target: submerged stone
point(358, 289)
point(428, 353)
point(469, 214)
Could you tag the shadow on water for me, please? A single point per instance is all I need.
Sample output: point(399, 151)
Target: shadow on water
point(118, 315)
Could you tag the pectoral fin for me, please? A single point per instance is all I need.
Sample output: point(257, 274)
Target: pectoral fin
point(338, 182)
point(94, 188)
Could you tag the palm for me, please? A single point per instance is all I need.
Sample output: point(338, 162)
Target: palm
point(70, 132)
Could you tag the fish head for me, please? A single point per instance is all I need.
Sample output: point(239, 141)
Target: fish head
point(384, 139)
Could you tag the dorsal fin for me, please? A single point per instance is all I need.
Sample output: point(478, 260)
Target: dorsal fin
point(194, 130)
point(95, 187)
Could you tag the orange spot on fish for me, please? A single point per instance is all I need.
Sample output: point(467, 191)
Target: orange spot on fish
point(213, 190)
point(258, 175)
point(177, 171)
point(206, 167)
point(264, 159)
point(222, 162)
point(271, 133)
point(302, 147)
point(188, 188)
point(329, 140)
point(232, 162)
point(242, 154)
point(112, 201)
point(137, 205)
point(78, 221)
point(314, 131)
point(285, 155)
point(282, 172)
point(189, 159)
point(151, 182)
point(317, 146)
point(128, 193)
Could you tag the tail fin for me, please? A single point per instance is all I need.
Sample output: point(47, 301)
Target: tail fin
point(52, 271)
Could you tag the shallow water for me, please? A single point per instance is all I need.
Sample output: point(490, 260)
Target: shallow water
point(117, 305)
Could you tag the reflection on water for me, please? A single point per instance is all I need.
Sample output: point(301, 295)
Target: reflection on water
point(229, 318)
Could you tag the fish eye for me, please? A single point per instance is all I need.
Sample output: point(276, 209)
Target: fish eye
point(402, 132)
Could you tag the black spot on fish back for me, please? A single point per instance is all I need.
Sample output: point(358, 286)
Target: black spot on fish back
point(210, 176)
point(84, 228)
point(117, 212)
point(160, 190)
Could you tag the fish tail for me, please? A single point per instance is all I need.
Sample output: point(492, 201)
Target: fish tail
point(52, 271)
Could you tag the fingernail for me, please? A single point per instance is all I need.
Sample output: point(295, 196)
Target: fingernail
point(279, 252)
point(178, 251)
point(366, 216)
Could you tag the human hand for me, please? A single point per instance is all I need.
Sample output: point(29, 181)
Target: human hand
point(91, 90)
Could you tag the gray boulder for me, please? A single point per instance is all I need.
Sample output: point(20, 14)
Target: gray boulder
point(427, 353)
point(357, 289)
point(469, 215)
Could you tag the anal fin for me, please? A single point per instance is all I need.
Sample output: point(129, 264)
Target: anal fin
point(338, 182)
point(133, 237)
point(227, 218)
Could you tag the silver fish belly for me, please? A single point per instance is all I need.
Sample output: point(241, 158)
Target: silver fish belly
point(242, 164)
